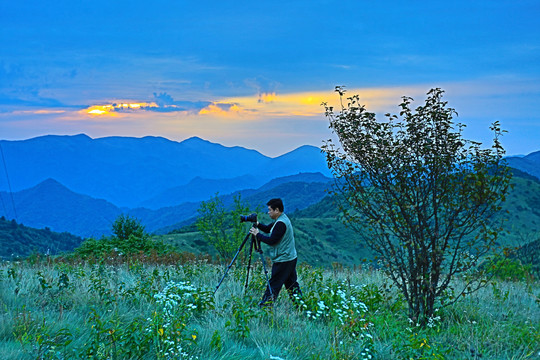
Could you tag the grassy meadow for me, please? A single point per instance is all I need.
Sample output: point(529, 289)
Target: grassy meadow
point(144, 308)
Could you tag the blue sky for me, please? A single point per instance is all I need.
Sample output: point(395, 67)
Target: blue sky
point(254, 74)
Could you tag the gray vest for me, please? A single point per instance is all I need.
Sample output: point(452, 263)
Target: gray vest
point(284, 250)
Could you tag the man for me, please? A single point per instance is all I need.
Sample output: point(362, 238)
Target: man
point(282, 252)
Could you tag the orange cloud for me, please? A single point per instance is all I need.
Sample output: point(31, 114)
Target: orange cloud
point(225, 109)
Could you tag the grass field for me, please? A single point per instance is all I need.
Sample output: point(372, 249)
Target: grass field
point(146, 311)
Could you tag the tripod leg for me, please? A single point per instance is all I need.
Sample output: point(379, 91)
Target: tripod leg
point(266, 275)
point(232, 261)
point(249, 264)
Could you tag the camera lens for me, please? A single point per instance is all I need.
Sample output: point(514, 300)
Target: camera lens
point(251, 217)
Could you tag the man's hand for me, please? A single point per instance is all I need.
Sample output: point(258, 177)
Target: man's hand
point(254, 231)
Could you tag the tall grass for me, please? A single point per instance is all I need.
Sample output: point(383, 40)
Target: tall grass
point(140, 311)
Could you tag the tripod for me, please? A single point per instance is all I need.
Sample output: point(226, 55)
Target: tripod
point(255, 245)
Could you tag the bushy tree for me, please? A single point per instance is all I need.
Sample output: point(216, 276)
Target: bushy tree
point(419, 193)
point(220, 226)
point(125, 226)
point(129, 237)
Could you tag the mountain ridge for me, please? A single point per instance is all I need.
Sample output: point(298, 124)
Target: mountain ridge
point(529, 163)
point(128, 171)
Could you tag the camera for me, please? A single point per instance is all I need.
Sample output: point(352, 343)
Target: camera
point(251, 217)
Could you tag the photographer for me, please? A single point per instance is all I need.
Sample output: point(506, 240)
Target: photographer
point(282, 252)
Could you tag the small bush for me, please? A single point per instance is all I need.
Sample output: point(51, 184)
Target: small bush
point(508, 269)
point(129, 238)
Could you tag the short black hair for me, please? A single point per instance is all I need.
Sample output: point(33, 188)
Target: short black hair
point(275, 204)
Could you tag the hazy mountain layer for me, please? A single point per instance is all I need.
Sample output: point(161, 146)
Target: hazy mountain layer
point(149, 171)
point(51, 204)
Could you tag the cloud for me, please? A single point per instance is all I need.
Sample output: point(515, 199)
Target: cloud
point(162, 102)
point(44, 104)
point(223, 109)
point(165, 101)
point(115, 108)
point(40, 112)
point(266, 89)
point(262, 84)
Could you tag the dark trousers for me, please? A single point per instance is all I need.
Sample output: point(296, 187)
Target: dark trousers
point(283, 273)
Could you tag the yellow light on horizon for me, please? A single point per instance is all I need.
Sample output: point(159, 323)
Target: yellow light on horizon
point(100, 110)
point(114, 108)
point(97, 112)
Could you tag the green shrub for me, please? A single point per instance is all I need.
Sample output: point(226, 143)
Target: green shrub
point(129, 238)
point(243, 311)
point(508, 269)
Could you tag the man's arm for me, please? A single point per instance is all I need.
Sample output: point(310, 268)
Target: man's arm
point(276, 235)
point(264, 228)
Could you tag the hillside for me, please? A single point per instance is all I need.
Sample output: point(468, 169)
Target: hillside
point(19, 240)
point(521, 212)
point(50, 204)
point(529, 163)
point(300, 190)
point(322, 239)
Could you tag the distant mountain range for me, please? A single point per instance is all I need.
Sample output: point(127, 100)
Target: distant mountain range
point(80, 185)
point(150, 172)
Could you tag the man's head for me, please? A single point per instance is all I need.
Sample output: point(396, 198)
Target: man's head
point(275, 208)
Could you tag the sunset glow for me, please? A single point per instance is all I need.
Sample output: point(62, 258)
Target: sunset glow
point(111, 109)
point(97, 112)
point(259, 107)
